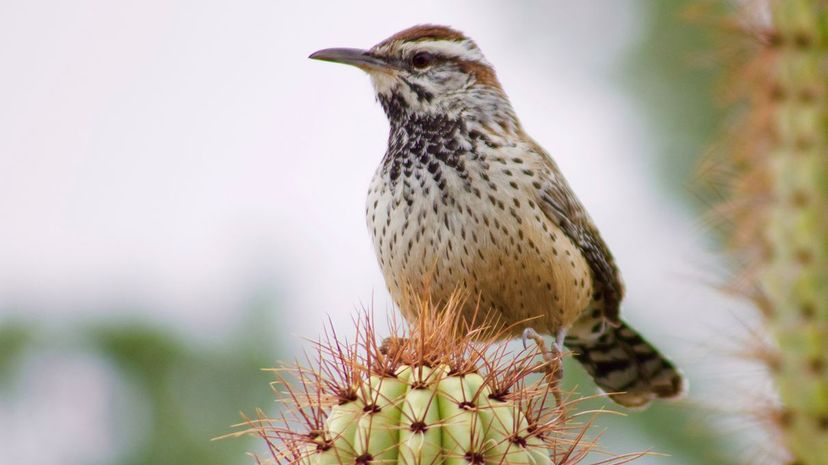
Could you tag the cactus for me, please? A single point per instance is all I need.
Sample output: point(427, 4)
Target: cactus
point(421, 414)
point(427, 396)
point(777, 203)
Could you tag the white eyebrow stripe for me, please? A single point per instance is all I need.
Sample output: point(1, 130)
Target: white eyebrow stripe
point(464, 50)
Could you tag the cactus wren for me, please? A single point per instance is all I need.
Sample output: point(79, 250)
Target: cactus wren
point(464, 198)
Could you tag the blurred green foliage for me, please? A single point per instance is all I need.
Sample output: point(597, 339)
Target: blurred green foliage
point(675, 430)
point(15, 338)
point(670, 73)
point(185, 391)
point(193, 393)
point(196, 389)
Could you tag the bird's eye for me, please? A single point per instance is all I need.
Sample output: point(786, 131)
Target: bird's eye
point(422, 59)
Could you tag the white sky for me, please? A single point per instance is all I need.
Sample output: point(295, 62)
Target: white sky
point(177, 155)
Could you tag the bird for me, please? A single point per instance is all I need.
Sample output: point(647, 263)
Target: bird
point(464, 198)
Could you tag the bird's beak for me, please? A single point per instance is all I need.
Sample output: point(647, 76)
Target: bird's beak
point(352, 56)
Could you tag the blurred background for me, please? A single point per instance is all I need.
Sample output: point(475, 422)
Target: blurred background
point(182, 203)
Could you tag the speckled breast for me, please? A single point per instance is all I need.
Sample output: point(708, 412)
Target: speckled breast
point(473, 223)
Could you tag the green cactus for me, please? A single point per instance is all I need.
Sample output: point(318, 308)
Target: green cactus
point(433, 396)
point(778, 206)
point(795, 276)
point(422, 415)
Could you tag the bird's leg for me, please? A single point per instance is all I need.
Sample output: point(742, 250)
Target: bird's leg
point(558, 349)
point(548, 358)
point(552, 364)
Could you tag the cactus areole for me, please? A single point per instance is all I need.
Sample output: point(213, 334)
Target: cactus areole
point(433, 396)
point(427, 416)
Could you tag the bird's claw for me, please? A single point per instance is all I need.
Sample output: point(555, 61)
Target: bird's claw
point(552, 359)
point(529, 333)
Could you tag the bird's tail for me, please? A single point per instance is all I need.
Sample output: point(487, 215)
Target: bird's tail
point(626, 366)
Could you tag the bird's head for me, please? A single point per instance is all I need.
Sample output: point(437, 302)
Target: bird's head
point(428, 69)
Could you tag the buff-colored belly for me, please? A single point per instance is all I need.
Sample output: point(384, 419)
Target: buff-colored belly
point(514, 264)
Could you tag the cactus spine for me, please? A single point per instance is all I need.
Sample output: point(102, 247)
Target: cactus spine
point(420, 415)
point(431, 397)
point(778, 206)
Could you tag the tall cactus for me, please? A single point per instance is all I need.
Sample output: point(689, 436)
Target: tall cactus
point(777, 204)
point(795, 277)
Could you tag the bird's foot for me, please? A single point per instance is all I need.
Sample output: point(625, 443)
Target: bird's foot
point(552, 365)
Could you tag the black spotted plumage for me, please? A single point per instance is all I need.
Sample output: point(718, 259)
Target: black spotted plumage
point(463, 198)
point(421, 141)
point(561, 205)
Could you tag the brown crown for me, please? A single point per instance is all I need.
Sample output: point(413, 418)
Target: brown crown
point(425, 31)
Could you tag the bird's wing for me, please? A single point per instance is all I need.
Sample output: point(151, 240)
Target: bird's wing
point(558, 202)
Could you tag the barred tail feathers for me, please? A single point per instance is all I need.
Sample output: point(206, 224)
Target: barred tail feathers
point(627, 367)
